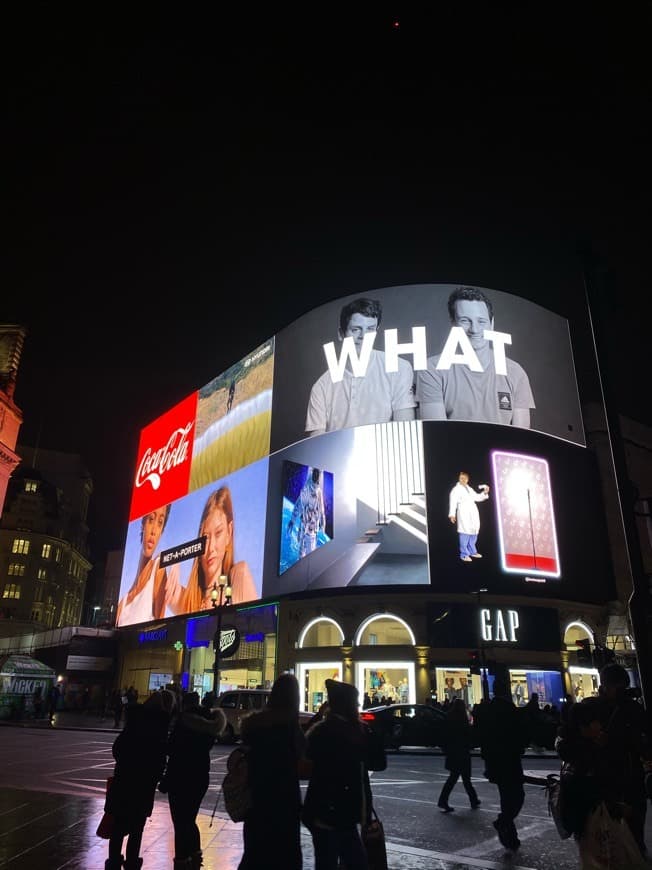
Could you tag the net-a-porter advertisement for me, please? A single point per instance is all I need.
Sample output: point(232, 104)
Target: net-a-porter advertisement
point(425, 351)
point(514, 512)
point(176, 552)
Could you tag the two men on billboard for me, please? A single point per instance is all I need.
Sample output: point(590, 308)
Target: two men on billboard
point(462, 510)
point(145, 599)
point(495, 391)
point(365, 392)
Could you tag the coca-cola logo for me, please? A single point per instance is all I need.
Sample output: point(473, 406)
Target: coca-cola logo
point(155, 463)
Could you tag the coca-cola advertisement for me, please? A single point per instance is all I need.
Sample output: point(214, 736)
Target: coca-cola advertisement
point(164, 458)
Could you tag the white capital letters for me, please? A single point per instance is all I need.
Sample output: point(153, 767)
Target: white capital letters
point(500, 626)
point(458, 338)
point(417, 348)
point(499, 339)
point(359, 365)
point(485, 623)
point(512, 620)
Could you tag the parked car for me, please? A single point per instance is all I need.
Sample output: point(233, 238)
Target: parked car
point(407, 724)
point(238, 703)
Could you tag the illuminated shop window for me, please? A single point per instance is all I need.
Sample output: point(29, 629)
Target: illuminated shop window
point(20, 545)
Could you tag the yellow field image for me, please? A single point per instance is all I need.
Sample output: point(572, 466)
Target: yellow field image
point(246, 440)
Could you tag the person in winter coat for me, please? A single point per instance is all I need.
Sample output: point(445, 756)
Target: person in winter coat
point(139, 752)
point(277, 745)
point(606, 741)
point(342, 750)
point(187, 774)
point(503, 738)
point(458, 744)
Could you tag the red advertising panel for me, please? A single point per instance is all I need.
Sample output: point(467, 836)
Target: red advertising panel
point(164, 459)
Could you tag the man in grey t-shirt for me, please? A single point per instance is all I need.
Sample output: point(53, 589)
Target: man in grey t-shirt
point(457, 392)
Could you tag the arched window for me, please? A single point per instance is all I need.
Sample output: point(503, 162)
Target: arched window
point(385, 629)
point(322, 631)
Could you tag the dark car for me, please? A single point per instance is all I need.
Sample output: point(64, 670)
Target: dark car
point(407, 724)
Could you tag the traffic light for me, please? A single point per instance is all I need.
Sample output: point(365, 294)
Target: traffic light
point(475, 665)
point(584, 656)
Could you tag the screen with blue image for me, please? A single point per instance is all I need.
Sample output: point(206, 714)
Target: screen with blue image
point(307, 511)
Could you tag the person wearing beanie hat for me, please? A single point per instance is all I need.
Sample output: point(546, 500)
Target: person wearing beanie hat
point(343, 750)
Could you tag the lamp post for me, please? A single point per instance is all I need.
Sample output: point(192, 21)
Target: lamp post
point(220, 597)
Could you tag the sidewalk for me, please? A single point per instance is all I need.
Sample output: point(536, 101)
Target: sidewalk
point(53, 830)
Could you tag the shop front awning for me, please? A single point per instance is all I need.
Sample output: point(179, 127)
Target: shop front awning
point(18, 671)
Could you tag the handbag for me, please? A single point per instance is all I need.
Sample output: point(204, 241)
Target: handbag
point(373, 839)
point(105, 827)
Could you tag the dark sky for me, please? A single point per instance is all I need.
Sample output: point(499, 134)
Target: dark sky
point(178, 188)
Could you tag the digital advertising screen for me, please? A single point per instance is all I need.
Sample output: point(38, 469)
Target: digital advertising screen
point(307, 512)
point(514, 512)
point(234, 413)
point(374, 511)
point(331, 456)
point(177, 551)
point(426, 351)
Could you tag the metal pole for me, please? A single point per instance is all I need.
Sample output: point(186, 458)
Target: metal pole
point(216, 645)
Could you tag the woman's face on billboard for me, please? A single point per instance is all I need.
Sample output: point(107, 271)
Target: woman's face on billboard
point(218, 531)
point(153, 526)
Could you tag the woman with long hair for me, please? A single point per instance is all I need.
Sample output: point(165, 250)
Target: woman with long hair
point(217, 526)
point(458, 744)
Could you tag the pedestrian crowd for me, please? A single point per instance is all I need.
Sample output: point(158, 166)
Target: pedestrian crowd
point(166, 743)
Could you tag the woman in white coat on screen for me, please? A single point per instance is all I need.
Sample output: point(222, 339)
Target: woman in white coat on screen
point(462, 510)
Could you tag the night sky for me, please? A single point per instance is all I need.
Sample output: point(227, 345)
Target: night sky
point(180, 186)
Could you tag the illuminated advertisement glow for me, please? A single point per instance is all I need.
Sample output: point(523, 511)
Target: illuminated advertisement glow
point(429, 352)
point(526, 517)
point(234, 413)
point(307, 512)
point(164, 456)
point(213, 531)
point(390, 395)
point(509, 511)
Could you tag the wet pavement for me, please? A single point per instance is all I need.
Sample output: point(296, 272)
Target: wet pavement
point(40, 829)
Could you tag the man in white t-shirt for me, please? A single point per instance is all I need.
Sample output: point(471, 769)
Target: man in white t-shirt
point(459, 393)
point(377, 396)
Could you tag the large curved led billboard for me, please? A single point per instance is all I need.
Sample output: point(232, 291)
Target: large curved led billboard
point(336, 443)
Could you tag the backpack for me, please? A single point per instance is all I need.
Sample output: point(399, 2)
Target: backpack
point(236, 788)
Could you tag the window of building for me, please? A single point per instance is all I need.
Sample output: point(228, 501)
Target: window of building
point(20, 545)
point(322, 631)
point(46, 552)
point(11, 590)
point(57, 554)
point(31, 486)
point(16, 570)
point(42, 574)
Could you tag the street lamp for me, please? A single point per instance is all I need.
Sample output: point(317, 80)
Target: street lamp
point(220, 597)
